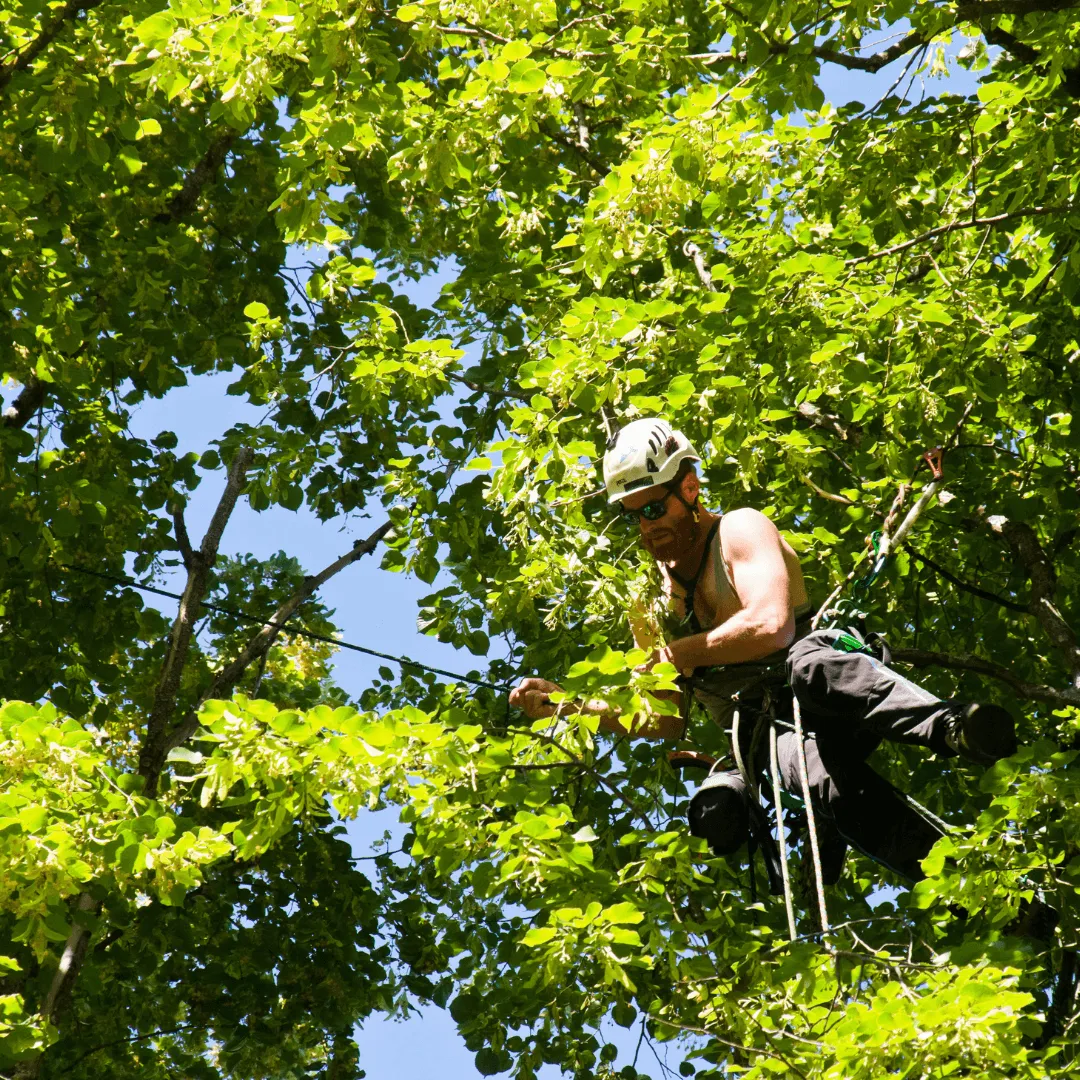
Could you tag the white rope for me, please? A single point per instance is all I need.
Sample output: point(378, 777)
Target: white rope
point(737, 751)
point(804, 779)
point(774, 768)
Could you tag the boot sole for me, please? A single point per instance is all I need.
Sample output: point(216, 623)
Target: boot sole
point(989, 734)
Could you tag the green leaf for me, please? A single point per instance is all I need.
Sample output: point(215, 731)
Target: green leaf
point(527, 77)
point(256, 310)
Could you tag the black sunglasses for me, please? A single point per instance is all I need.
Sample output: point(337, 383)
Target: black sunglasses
point(651, 511)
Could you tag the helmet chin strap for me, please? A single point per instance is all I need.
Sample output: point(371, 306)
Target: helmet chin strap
point(694, 508)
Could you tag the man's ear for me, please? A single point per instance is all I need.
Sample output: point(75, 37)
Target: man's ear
point(691, 487)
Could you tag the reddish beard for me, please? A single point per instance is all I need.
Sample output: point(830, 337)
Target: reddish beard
point(674, 541)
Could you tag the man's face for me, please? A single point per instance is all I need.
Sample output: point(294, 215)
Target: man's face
point(672, 535)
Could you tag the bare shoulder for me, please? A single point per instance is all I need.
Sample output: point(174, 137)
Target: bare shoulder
point(747, 526)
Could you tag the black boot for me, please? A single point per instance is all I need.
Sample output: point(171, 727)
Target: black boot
point(980, 733)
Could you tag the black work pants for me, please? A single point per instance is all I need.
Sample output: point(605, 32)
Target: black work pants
point(850, 702)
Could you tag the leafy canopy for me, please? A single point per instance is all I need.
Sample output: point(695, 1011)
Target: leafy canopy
point(642, 208)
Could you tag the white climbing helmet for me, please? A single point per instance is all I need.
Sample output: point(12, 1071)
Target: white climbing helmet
point(643, 454)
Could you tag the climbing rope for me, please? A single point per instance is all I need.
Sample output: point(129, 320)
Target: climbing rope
point(774, 769)
point(804, 779)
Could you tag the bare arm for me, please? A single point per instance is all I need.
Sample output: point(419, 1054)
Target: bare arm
point(765, 620)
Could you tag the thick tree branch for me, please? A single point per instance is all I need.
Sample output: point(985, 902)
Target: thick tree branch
point(873, 63)
point(940, 570)
point(922, 658)
point(1024, 544)
point(48, 32)
point(914, 40)
point(70, 959)
point(154, 750)
point(227, 677)
point(1003, 39)
point(183, 202)
point(29, 399)
point(829, 421)
point(953, 226)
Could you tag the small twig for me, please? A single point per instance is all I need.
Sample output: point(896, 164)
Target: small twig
point(843, 500)
point(940, 570)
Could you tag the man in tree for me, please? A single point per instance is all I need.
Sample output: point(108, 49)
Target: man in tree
point(736, 619)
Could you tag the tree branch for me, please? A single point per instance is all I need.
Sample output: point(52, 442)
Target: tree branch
point(558, 137)
point(183, 202)
point(922, 658)
point(45, 37)
point(227, 677)
point(829, 421)
point(1024, 543)
point(843, 500)
point(874, 63)
point(694, 254)
point(970, 223)
point(1003, 39)
point(154, 749)
point(183, 542)
point(29, 399)
point(1002, 601)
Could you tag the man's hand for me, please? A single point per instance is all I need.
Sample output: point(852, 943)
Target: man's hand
point(667, 654)
point(532, 696)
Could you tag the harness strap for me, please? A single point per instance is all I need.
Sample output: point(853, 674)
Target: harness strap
point(689, 585)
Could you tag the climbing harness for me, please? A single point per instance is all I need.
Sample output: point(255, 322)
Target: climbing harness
point(689, 584)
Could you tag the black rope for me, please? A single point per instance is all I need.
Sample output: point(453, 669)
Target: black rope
point(288, 627)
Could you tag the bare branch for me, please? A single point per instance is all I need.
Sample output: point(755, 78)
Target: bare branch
point(874, 63)
point(582, 125)
point(970, 223)
point(829, 421)
point(914, 40)
point(225, 680)
point(922, 658)
point(843, 500)
point(45, 37)
point(693, 253)
point(154, 749)
point(1003, 39)
point(228, 676)
point(183, 542)
point(940, 570)
point(70, 960)
point(183, 202)
point(29, 399)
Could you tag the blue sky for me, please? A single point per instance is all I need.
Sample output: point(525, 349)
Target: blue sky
point(377, 608)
